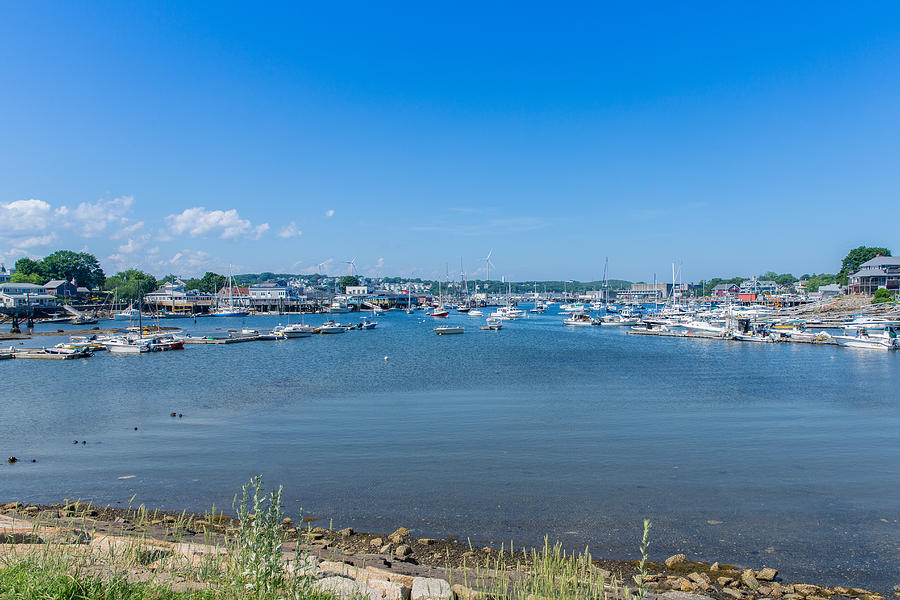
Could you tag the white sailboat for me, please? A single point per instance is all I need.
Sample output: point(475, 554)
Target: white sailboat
point(230, 310)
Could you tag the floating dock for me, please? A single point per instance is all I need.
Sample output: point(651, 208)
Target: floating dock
point(39, 354)
point(230, 340)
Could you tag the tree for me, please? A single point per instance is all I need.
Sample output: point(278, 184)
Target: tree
point(131, 284)
point(348, 281)
point(80, 267)
point(882, 295)
point(192, 284)
point(858, 256)
point(35, 278)
point(210, 282)
point(28, 266)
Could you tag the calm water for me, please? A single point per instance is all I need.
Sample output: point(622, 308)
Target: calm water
point(783, 455)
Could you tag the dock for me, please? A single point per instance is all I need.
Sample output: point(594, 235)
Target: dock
point(660, 333)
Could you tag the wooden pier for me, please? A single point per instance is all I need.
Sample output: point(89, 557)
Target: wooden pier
point(39, 354)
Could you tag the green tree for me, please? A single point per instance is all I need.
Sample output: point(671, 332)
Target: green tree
point(81, 267)
point(131, 283)
point(858, 256)
point(348, 281)
point(192, 284)
point(28, 266)
point(210, 282)
point(882, 295)
point(35, 278)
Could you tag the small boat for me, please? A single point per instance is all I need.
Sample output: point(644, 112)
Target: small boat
point(367, 324)
point(619, 320)
point(166, 343)
point(129, 314)
point(338, 307)
point(84, 320)
point(475, 313)
point(493, 324)
point(580, 319)
point(440, 312)
point(331, 327)
point(410, 311)
point(882, 335)
point(538, 309)
point(463, 309)
point(127, 345)
point(62, 349)
point(294, 330)
point(273, 335)
point(448, 330)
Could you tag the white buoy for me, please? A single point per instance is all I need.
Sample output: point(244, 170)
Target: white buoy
point(385, 358)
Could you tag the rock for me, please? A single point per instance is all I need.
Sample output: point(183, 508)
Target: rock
point(346, 589)
point(428, 588)
point(733, 593)
point(386, 549)
point(346, 532)
point(399, 536)
point(764, 590)
point(806, 589)
point(767, 574)
point(390, 590)
point(12, 459)
point(304, 566)
point(682, 596)
point(687, 586)
point(714, 566)
point(675, 560)
point(376, 542)
point(287, 522)
point(403, 551)
point(464, 593)
point(723, 581)
point(699, 578)
point(426, 541)
point(749, 580)
point(406, 580)
point(30, 509)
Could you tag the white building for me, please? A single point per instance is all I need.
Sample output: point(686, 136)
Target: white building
point(16, 295)
point(271, 292)
point(357, 290)
point(4, 274)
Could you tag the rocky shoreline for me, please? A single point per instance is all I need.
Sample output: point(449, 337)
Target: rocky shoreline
point(370, 563)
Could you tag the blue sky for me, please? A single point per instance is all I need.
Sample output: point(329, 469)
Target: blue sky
point(181, 137)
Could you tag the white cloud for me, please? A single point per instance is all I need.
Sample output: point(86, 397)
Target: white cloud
point(329, 212)
point(31, 216)
point(128, 230)
point(199, 221)
point(94, 217)
point(290, 231)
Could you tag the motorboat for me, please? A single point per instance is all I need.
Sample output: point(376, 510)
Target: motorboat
point(129, 314)
point(580, 319)
point(475, 313)
point(273, 335)
point(539, 308)
point(367, 324)
point(165, 342)
point(330, 327)
point(573, 307)
point(619, 319)
point(440, 312)
point(338, 307)
point(127, 345)
point(448, 330)
point(877, 336)
point(294, 330)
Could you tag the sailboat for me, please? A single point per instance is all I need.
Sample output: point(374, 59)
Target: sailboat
point(439, 311)
point(230, 310)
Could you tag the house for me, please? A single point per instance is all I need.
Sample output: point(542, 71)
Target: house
point(758, 286)
point(270, 291)
point(646, 291)
point(724, 290)
point(880, 272)
point(4, 274)
point(357, 290)
point(16, 295)
point(61, 288)
point(830, 291)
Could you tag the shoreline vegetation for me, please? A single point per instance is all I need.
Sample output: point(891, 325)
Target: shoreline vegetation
point(78, 550)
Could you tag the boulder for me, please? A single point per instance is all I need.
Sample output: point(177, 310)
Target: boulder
point(429, 588)
point(682, 596)
point(346, 589)
point(675, 560)
point(403, 551)
point(390, 590)
point(767, 574)
point(733, 593)
point(376, 542)
point(399, 536)
point(347, 532)
point(749, 580)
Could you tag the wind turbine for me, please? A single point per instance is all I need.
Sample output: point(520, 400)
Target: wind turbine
point(487, 265)
point(352, 264)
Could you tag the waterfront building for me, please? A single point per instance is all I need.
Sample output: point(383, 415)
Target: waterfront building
point(4, 274)
point(357, 290)
point(725, 290)
point(61, 288)
point(830, 291)
point(646, 291)
point(18, 295)
point(758, 286)
point(880, 272)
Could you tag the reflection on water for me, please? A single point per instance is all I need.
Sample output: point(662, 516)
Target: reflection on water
point(762, 454)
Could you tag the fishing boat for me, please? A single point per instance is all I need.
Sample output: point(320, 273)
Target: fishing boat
point(580, 319)
point(539, 308)
point(338, 307)
point(448, 330)
point(367, 324)
point(129, 314)
point(165, 343)
point(573, 307)
point(493, 324)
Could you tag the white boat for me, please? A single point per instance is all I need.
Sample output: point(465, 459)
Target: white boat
point(125, 345)
point(273, 335)
point(475, 313)
point(573, 307)
point(617, 319)
point(539, 308)
point(129, 314)
point(230, 310)
point(367, 324)
point(580, 320)
point(448, 330)
point(295, 330)
point(883, 335)
point(332, 327)
point(507, 313)
point(440, 312)
point(338, 307)
point(163, 343)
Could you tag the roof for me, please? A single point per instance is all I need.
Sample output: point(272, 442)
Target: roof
point(725, 286)
point(21, 286)
point(882, 261)
point(831, 287)
point(55, 283)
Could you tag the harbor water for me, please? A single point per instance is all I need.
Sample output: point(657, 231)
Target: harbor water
point(781, 455)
